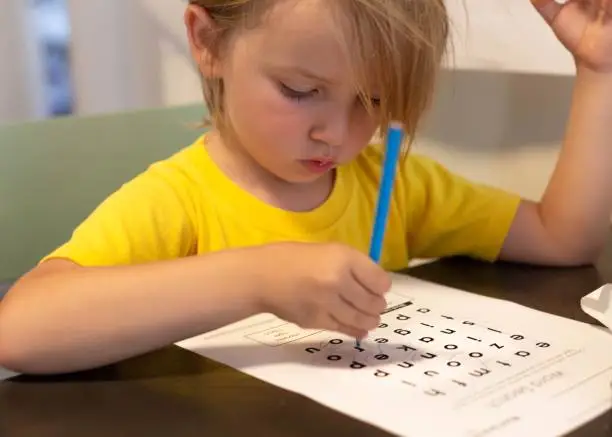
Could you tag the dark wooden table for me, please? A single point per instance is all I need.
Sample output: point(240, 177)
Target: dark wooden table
point(173, 392)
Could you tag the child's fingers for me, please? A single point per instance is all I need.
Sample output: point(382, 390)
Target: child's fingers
point(370, 275)
point(548, 9)
point(606, 7)
point(353, 332)
point(363, 300)
point(346, 314)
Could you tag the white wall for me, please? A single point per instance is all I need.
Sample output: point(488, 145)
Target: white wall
point(505, 35)
point(21, 96)
point(129, 55)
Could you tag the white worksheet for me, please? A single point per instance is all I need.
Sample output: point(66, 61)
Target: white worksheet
point(442, 362)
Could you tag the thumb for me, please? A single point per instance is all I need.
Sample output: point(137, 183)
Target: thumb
point(549, 9)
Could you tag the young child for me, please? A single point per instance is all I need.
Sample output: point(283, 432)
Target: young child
point(271, 210)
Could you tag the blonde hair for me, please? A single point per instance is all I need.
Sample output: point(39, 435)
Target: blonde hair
point(396, 44)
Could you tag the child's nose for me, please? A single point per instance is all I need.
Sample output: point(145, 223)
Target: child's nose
point(332, 129)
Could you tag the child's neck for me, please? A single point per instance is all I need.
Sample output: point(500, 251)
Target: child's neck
point(250, 176)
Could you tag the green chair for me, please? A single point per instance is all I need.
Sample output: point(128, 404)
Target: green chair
point(54, 172)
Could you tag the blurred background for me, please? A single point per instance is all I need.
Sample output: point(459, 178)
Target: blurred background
point(78, 57)
point(499, 113)
point(62, 57)
point(52, 34)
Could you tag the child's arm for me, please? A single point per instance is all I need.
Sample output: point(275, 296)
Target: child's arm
point(63, 317)
point(571, 223)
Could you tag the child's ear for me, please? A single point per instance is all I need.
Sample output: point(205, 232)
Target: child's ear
point(200, 30)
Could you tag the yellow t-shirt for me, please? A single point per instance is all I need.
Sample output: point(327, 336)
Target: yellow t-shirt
point(185, 205)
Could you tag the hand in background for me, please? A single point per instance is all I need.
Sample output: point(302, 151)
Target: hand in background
point(584, 27)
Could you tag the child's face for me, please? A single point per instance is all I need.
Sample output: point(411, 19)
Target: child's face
point(289, 97)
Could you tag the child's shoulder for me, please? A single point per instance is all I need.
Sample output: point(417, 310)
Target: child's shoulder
point(170, 179)
point(183, 167)
point(185, 159)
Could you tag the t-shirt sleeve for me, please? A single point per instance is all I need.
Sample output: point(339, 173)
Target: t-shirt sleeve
point(450, 215)
point(147, 219)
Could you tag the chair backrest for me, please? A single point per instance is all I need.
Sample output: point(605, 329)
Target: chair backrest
point(54, 172)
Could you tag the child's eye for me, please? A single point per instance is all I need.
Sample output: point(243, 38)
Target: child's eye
point(295, 94)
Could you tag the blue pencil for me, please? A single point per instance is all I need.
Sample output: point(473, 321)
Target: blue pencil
point(393, 148)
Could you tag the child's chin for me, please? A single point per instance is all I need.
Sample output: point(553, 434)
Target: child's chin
point(304, 178)
point(302, 174)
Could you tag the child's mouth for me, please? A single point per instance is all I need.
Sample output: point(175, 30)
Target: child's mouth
point(318, 165)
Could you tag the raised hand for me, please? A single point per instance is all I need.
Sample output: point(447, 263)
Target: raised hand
point(584, 27)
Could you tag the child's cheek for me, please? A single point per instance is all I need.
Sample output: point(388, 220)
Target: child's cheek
point(363, 128)
point(275, 121)
point(285, 114)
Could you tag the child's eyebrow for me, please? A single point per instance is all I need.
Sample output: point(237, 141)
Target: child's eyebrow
point(296, 69)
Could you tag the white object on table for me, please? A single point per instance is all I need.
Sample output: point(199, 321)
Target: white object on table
point(6, 374)
point(598, 304)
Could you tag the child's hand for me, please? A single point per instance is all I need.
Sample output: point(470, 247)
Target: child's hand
point(324, 286)
point(584, 27)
